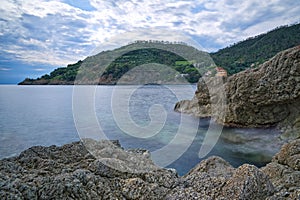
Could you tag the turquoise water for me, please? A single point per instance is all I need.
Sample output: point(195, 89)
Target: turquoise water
point(43, 115)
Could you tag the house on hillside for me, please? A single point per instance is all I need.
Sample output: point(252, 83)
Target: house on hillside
point(221, 72)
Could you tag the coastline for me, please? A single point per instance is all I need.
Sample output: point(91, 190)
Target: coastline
point(70, 171)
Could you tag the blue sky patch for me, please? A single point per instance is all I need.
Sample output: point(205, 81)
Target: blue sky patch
point(81, 4)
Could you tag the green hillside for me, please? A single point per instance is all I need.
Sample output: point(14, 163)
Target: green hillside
point(59, 76)
point(108, 66)
point(151, 55)
point(257, 50)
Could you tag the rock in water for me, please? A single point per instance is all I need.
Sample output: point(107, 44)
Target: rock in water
point(266, 96)
point(71, 172)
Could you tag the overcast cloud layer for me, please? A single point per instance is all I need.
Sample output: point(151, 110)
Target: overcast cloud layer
point(39, 35)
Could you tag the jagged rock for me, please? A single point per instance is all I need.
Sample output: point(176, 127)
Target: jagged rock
point(284, 171)
point(209, 98)
point(214, 166)
point(266, 96)
point(248, 182)
point(208, 177)
point(214, 178)
point(72, 172)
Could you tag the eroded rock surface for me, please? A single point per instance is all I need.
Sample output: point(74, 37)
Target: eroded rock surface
point(284, 171)
point(71, 172)
point(266, 96)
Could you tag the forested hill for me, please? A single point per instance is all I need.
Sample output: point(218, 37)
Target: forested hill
point(235, 58)
point(256, 50)
point(173, 62)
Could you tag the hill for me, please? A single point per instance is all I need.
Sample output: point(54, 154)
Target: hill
point(257, 50)
point(179, 56)
point(108, 67)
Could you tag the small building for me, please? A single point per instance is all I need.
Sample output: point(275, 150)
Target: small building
point(221, 72)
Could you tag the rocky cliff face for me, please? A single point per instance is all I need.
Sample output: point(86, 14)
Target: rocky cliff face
point(71, 172)
point(266, 96)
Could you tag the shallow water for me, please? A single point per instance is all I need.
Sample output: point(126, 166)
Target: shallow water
point(43, 115)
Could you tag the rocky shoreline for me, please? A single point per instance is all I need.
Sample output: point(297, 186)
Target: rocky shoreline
point(71, 172)
point(261, 97)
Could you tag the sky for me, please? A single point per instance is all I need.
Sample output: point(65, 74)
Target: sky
point(37, 36)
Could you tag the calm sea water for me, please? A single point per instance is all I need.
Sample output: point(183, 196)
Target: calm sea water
point(43, 115)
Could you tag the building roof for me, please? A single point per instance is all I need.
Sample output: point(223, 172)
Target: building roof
point(220, 69)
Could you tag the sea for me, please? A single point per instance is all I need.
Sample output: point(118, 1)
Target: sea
point(139, 116)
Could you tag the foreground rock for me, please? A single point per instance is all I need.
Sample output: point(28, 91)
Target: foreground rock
point(266, 96)
point(71, 172)
point(284, 172)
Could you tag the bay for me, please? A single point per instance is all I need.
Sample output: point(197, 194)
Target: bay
point(43, 115)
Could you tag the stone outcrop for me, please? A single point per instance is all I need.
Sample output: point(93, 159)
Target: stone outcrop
point(284, 172)
point(71, 172)
point(214, 178)
point(265, 96)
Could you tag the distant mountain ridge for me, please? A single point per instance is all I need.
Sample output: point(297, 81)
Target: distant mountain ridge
point(235, 58)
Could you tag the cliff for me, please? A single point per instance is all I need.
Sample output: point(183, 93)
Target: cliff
point(265, 96)
point(71, 172)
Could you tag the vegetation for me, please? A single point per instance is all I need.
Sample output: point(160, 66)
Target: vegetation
point(235, 58)
point(256, 50)
point(62, 75)
point(126, 58)
point(151, 55)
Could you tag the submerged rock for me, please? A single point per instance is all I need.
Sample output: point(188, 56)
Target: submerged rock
point(72, 172)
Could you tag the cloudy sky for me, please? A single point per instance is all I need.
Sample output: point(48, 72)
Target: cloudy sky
point(37, 36)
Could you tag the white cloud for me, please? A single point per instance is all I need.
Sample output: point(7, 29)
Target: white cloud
point(56, 33)
point(43, 8)
point(5, 69)
point(160, 34)
point(39, 69)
